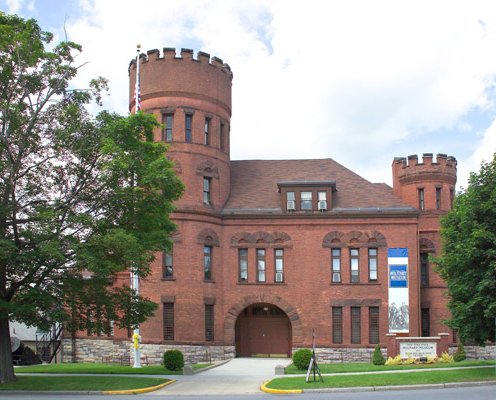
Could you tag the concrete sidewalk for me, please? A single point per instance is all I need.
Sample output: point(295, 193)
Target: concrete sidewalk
point(238, 376)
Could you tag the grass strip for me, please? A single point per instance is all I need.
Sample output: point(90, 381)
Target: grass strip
point(369, 367)
point(387, 379)
point(84, 368)
point(82, 383)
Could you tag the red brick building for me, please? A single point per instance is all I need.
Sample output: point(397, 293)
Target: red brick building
point(268, 251)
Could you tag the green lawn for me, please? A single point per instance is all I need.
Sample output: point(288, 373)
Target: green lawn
point(82, 368)
point(86, 383)
point(367, 367)
point(391, 379)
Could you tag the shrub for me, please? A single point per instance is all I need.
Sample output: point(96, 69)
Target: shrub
point(173, 360)
point(394, 361)
point(460, 353)
point(408, 361)
point(377, 357)
point(446, 358)
point(301, 358)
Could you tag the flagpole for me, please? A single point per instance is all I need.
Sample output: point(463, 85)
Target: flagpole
point(134, 275)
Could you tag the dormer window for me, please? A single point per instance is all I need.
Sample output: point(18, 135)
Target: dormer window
point(322, 201)
point(306, 201)
point(290, 201)
point(306, 196)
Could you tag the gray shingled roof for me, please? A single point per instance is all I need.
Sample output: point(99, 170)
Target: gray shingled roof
point(254, 185)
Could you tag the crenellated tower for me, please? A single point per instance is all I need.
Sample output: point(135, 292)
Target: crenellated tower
point(427, 186)
point(192, 99)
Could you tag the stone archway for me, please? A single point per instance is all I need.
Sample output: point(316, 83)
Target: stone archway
point(296, 331)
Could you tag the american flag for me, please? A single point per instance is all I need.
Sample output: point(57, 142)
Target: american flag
point(137, 96)
point(137, 88)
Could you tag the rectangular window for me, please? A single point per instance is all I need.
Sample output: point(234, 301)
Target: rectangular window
point(207, 262)
point(209, 322)
point(336, 265)
point(354, 272)
point(290, 201)
point(424, 269)
point(188, 123)
point(355, 325)
point(279, 265)
point(452, 197)
point(438, 198)
point(372, 265)
point(337, 325)
point(260, 265)
point(421, 199)
point(322, 201)
point(167, 269)
point(306, 200)
point(243, 265)
point(168, 321)
point(207, 131)
point(221, 136)
point(207, 182)
point(373, 325)
point(425, 321)
point(167, 121)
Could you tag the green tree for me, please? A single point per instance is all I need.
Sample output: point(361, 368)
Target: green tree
point(81, 197)
point(468, 263)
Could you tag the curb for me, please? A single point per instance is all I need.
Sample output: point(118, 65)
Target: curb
point(265, 389)
point(139, 391)
point(399, 387)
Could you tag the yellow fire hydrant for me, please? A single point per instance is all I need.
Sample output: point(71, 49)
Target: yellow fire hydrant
point(136, 340)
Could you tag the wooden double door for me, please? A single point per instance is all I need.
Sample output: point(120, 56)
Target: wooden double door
point(263, 330)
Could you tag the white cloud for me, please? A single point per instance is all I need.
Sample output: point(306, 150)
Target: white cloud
point(357, 81)
point(15, 6)
point(485, 149)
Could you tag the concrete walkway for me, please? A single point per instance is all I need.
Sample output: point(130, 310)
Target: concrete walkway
point(238, 376)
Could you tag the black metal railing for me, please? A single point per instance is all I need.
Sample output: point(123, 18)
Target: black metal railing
point(49, 343)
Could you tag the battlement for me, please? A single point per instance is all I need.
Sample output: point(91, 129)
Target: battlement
point(167, 79)
point(408, 170)
point(169, 53)
point(427, 160)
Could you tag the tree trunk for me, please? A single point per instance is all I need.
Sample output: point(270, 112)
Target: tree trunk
point(6, 366)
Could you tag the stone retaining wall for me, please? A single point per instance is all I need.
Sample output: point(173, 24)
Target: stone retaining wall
point(477, 352)
point(122, 352)
point(344, 355)
point(118, 351)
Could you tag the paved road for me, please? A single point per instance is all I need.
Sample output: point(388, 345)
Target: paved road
point(472, 393)
point(238, 376)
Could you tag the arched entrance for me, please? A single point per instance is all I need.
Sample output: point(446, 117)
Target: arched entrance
point(263, 330)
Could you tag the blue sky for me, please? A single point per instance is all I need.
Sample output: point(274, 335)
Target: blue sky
point(358, 81)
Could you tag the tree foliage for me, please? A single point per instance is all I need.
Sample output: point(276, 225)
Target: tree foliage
point(468, 264)
point(81, 197)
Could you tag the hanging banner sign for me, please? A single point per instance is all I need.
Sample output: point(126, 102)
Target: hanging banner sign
point(398, 290)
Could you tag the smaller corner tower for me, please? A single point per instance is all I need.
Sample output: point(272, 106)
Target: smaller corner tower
point(428, 185)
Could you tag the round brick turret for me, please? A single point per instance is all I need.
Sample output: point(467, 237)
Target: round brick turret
point(193, 97)
point(429, 185)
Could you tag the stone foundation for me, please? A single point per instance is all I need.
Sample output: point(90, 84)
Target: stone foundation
point(477, 352)
point(122, 352)
point(329, 355)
